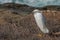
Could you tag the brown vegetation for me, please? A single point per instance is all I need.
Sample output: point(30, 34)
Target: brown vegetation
point(14, 26)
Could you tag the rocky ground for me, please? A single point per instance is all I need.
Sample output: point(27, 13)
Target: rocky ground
point(17, 23)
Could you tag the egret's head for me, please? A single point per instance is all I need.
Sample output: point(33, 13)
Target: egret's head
point(36, 11)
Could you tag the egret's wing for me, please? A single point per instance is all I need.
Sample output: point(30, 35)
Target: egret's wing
point(44, 19)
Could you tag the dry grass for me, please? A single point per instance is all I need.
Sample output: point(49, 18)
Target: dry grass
point(20, 27)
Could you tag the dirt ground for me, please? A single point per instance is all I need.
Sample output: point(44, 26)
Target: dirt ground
point(20, 25)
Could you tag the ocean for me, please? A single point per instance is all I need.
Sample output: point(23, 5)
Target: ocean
point(33, 3)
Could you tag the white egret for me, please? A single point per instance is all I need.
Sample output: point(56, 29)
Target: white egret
point(40, 21)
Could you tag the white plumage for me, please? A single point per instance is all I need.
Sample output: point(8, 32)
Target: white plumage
point(39, 18)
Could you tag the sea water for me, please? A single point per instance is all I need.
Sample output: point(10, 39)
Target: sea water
point(33, 3)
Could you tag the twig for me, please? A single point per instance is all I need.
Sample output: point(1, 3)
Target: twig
point(57, 33)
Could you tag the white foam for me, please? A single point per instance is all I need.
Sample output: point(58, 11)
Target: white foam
point(33, 3)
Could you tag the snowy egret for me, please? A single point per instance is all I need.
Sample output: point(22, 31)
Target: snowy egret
point(40, 19)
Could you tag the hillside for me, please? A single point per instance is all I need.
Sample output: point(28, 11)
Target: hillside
point(19, 24)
